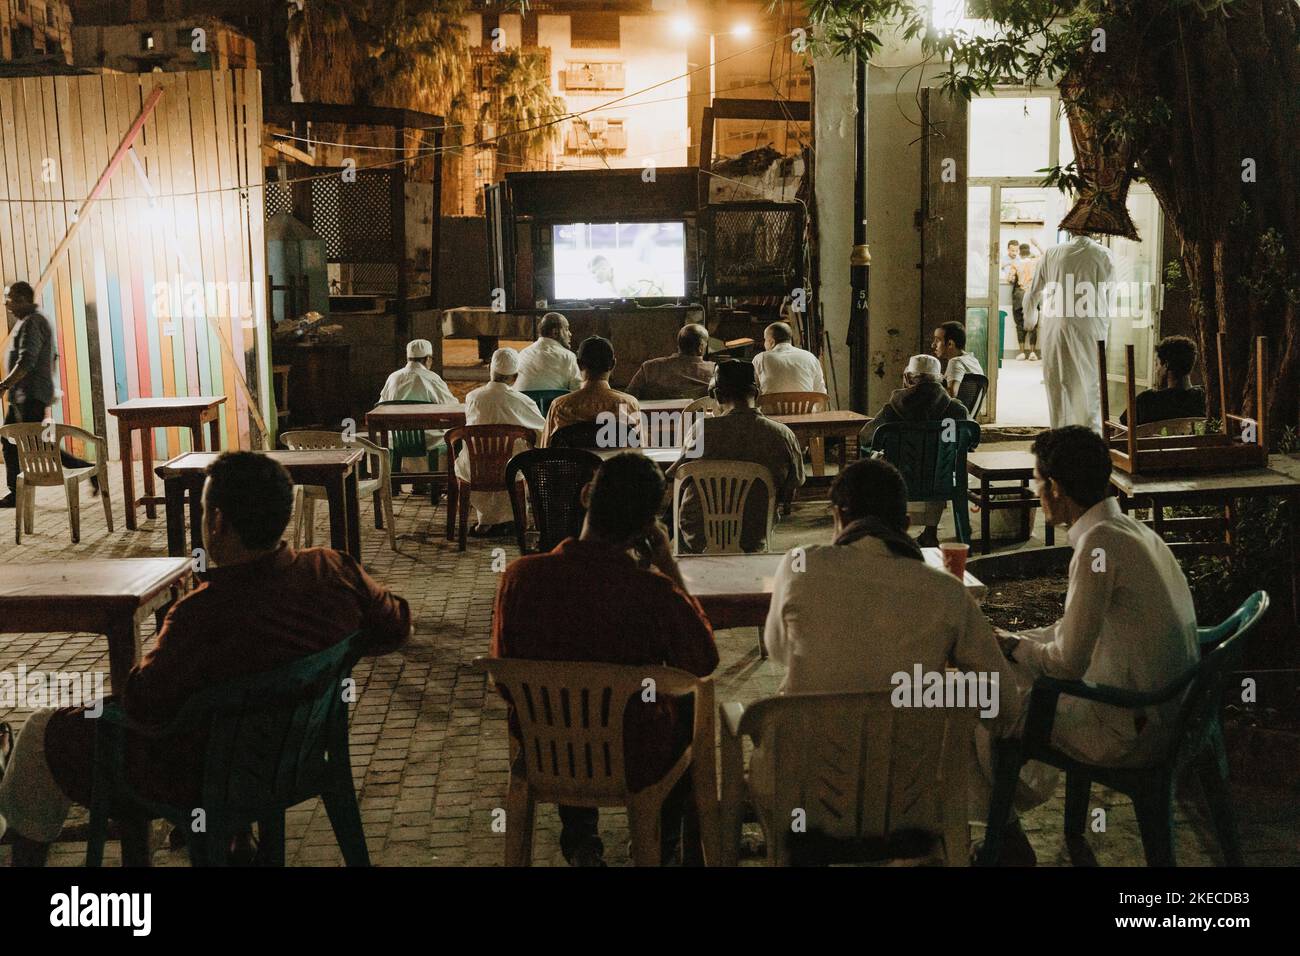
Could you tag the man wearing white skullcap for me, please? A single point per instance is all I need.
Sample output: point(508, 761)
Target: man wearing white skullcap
point(497, 403)
point(418, 382)
point(923, 398)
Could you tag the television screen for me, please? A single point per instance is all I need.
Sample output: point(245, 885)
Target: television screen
point(619, 260)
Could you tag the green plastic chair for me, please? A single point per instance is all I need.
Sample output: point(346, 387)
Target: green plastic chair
point(542, 398)
point(1197, 741)
point(933, 469)
point(410, 442)
point(275, 739)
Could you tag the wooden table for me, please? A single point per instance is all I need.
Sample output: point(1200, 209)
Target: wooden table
point(111, 596)
point(664, 404)
point(146, 414)
point(382, 419)
point(334, 469)
point(988, 467)
point(663, 457)
point(845, 425)
point(735, 590)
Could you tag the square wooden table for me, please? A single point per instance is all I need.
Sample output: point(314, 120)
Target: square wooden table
point(112, 596)
point(988, 467)
point(829, 424)
point(735, 590)
point(665, 458)
point(383, 419)
point(334, 469)
point(146, 414)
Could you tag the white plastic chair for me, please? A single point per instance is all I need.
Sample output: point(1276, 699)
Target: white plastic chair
point(306, 496)
point(41, 466)
point(847, 767)
point(722, 490)
point(709, 406)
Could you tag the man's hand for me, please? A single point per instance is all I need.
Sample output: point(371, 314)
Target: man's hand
point(661, 553)
point(1006, 639)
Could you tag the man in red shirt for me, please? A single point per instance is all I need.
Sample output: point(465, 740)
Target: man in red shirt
point(590, 600)
point(264, 605)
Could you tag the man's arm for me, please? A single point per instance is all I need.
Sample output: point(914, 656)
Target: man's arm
point(1032, 296)
point(638, 382)
point(1067, 653)
point(690, 636)
point(819, 378)
point(775, 638)
point(795, 474)
point(30, 342)
point(976, 651)
point(386, 618)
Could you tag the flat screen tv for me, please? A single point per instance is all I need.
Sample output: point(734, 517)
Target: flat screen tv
point(619, 260)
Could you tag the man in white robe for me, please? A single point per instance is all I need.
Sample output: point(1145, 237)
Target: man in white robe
point(548, 364)
point(1071, 294)
point(497, 403)
point(418, 382)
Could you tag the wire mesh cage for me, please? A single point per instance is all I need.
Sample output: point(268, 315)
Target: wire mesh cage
point(754, 248)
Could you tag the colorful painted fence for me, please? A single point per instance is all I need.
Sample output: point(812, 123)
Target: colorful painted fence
point(162, 289)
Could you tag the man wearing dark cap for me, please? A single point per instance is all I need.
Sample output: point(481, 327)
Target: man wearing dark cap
point(595, 363)
point(739, 433)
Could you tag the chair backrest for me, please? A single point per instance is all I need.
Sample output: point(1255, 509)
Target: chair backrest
point(792, 403)
point(38, 456)
point(1173, 426)
point(305, 439)
point(543, 397)
point(555, 478)
point(862, 768)
point(570, 720)
point(709, 406)
point(971, 392)
point(722, 489)
point(578, 435)
point(489, 447)
point(407, 442)
point(931, 455)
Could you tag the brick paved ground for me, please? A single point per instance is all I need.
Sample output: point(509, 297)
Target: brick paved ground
point(429, 743)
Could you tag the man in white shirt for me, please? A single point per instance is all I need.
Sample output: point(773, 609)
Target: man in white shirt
point(1129, 620)
point(949, 347)
point(1070, 293)
point(417, 381)
point(497, 403)
point(785, 368)
point(548, 364)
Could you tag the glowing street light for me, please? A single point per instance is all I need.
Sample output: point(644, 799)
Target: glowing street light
point(683, 26)
point(741, 30)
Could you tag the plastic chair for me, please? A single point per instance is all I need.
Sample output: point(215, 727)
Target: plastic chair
point(579, 435)
point(570, 717)
point(709, 406)
point(555, 478)
point(306, 496)
point(490, 448)
point(869, 776)
point(41, 465)
point(412, 443)
point(934, 469)
point(1197, 741)
point(722, 490)
point(971, 392)
point(543, 397)
point(274, 740)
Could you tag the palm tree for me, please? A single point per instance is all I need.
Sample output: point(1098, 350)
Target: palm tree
point(523, 107)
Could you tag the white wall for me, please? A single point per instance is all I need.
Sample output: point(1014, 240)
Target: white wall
point(835, 114)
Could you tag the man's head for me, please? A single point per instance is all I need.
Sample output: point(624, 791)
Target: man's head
point(623, 500)
point(734, 383)
point(505, 366)
point(1175, 359)
point(949, 340)
point(555, 326)
point(922, 368)
point(775, 334)
point(601, 270)
point(247, 502)
point(870, 488)
point(20, 299)
point(595, 358)
point(692, 339)
point(1024, 250)
point(1013, 248)
point(420, 350)
point(1072, 472)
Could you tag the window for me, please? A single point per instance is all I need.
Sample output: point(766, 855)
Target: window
point(147, 42)
point(596, 136)
point(593, 76)
point(1010, 135)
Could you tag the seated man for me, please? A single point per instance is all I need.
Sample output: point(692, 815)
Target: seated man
point(418, 382)
point(783, 367)
point(497, 403)
point(740, 433)
point(595, 362)
point(547, 364)
point(949, 347)
point(1129, 620)
point(922, 398)
point(1175, 396)
point(588, 600)
point(684, 375)
point(264, 605)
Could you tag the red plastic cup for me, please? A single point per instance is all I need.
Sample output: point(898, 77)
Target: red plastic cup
point(954, 558)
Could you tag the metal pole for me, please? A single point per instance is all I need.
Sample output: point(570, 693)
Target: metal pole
point(860, 260)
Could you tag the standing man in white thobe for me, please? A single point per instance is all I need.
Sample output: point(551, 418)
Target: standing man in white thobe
point(497, 403)
point(1071, 292)
point(548, 364)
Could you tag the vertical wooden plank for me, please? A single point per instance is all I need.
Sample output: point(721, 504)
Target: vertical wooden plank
point(227, 258)
point(249, 83)
point(8, 247)
point(160, 290)
point(187, 225)
point(16, 161)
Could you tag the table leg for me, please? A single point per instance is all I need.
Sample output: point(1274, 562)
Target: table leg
point(986, 541)
point(336, 492)
point(174, 489)
point(817, 452)
point(146, 456)
point(128, 471)
point(354, 514)
point(1025, 529)
point(123, 652)
point(196, 517)
point(214, 434)
point(196, 436)
point(1050, 533)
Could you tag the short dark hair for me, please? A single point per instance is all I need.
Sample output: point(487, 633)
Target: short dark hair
point(626, 495)
point(254, 493)
point(871, 488)
point(1177, 353)
point(596, 354)
point(691, 337)
point(780, 332)
point(1013, 242)
point(1078, 460)
point(1024, 247)
point(955, 333)
point(22, 290)
point(734, 380)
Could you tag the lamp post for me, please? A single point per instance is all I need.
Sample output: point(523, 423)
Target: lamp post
point(685, 27)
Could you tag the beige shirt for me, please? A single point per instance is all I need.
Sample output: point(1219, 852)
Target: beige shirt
point(584, 405)
point(674, 376)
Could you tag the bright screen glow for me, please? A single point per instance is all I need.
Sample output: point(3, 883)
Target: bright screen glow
point(620, 260)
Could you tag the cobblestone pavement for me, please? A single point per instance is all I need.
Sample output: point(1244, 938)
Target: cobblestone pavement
point(429, 743)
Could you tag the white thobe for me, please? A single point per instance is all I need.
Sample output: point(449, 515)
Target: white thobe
point(785, 368)
point(415, 383)
point(496, 403)
point(546, 365)
point(1071, 292)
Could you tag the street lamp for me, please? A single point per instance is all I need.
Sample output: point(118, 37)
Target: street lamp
point(684, 27)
